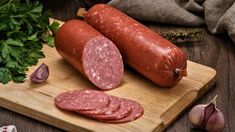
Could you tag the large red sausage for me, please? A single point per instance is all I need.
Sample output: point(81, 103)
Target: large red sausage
point(143, 49)
point(95, 56)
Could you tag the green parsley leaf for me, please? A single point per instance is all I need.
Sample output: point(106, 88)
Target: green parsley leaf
point(4, 75)
point(54, 27)
point(14, 42)
point(49, 40)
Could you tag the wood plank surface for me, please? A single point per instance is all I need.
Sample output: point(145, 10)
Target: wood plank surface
point(216, 51)
point(161, 105)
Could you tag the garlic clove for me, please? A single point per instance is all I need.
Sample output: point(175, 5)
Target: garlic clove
point(196, 115)
point(216, 122)
point(41, 74)
point(208, 111)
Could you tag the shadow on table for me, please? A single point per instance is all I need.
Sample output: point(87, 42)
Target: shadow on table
point(197, 130)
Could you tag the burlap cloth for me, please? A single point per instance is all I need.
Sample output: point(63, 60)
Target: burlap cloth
point(218, 15)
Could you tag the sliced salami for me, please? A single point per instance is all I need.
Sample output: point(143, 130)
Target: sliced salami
point(123, 111)
point(136, 112)
point(102, 63)
point(100, 106)
point(78, 100)
point(112, 107)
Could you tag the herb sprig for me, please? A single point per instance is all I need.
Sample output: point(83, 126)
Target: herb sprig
point(24, 28)
point(183, 36)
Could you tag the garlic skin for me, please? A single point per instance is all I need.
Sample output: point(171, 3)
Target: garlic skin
point(196, 115)
point(216, 122)
point(208, 117)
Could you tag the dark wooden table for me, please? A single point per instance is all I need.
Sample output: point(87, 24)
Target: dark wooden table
point(216, 51)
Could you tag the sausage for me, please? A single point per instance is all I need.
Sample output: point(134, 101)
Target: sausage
point(146, 51)
point(95, 56)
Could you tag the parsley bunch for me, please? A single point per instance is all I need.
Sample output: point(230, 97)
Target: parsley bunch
point(24, 28)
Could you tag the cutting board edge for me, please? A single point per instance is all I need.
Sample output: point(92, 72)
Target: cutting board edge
point(37, 115)
point(197, 95)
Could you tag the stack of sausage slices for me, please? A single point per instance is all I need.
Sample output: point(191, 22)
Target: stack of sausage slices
point(99, 106)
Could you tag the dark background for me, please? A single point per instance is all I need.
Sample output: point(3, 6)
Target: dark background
point(216, 51)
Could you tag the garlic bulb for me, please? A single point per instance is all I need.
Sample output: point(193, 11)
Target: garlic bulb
point(208, 117)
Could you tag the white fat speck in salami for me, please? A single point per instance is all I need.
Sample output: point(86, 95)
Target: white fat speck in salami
point(78, 100)
point(136, 112)
point(111, 108)
point(102, 63)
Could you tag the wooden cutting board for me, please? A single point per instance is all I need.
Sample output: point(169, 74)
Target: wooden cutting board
point(162, 105)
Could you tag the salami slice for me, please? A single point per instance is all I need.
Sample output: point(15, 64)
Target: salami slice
point(112, 107)
point(78, 100)
point(123, 111)
point(136, 112)
point(102, 63)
